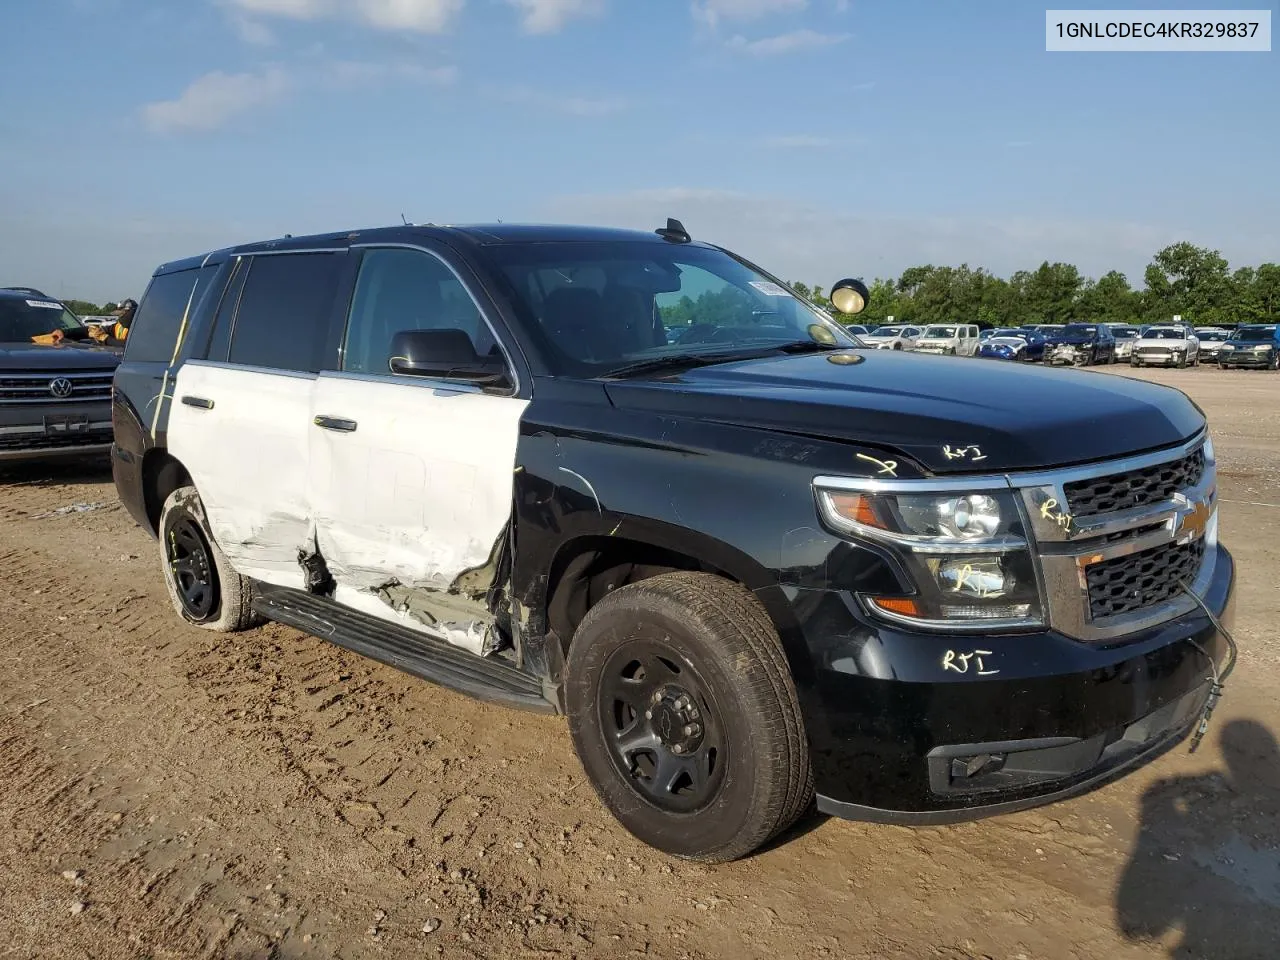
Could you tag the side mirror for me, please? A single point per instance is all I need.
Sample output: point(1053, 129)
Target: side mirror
point(446, 354)
point(849, 296)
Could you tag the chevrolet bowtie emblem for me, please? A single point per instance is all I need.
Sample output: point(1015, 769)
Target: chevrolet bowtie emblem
point(1191, 522)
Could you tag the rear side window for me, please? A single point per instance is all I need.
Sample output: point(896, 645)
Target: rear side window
point(284, 311)
point(153, 336)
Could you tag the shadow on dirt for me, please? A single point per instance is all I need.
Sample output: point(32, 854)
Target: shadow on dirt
point(1207, 859)
point(49, 473)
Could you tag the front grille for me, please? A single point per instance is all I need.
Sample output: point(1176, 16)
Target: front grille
point(40, 441)
point(1140, 580)
point(1134, 488)
point(1155, 349)
point(16, 388)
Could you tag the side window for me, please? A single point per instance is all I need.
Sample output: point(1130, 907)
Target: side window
point(284, 311)
point(400, 289)
point(153, 336)
point(220, 336)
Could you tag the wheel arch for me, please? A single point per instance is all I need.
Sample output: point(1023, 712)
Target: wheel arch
point(585, 568)
point(162, 473)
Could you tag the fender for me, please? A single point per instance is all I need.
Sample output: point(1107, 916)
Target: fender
point(668, 492)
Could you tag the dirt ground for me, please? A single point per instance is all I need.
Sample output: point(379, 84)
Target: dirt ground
point(167, 793)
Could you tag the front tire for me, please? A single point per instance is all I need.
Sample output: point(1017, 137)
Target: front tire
point(203, 587)
point(685, 716)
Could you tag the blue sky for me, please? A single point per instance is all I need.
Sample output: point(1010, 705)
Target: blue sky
point(819, 137)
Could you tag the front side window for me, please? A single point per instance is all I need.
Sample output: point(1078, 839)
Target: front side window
point(284, 311)
point(168, 300)
point(400, 289)
point(21, 319)
point(600, 306)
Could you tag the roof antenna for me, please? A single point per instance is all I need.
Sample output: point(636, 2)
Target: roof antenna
point(406, 222)
point(674, 232)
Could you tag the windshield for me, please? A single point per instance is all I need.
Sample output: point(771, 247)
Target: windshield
point(1255, 334)
point(1212, 335)
point(1158, 334)
point(941, 333)
point(1123, 333)
point(20, 320)
point(885, 332)
point(1079, 330)
point(601, 306)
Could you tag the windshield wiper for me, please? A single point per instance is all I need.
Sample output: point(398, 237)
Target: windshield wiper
point(677, 360)
point(672, 361)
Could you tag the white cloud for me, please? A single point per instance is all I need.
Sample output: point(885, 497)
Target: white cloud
point(819, 244)
point(362, 72)
point(712, 12)
point(252, 31)
point(423, 16)
point(784, 43)
point(215, 98)
point(577, 106)
point(548, 16)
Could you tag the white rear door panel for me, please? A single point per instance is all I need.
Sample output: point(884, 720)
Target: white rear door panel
point(247, 455)
point(412, 505)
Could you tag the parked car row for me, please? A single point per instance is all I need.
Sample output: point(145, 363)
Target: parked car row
point(1088, 344)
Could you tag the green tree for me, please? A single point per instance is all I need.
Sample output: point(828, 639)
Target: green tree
point(1189, 281)
point(1108, 300)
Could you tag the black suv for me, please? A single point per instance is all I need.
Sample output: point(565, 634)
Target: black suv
point(55, 383)
point(751, 564)
point(1081, 345)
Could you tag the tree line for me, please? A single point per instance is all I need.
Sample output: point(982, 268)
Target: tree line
point(1182, 279)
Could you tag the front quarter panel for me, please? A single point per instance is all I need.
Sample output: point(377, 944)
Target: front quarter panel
point(737, 500)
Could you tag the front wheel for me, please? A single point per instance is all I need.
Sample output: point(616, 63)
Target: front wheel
point(1275, 361)
point(685, 716)
point(203, 586)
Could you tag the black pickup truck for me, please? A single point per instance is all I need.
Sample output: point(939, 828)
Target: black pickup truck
point(55, 395)
point(634, 479)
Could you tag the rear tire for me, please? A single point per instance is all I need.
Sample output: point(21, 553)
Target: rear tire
point(685, 716)
point(203, 587)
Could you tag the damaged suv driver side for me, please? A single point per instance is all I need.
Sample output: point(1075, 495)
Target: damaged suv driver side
point(635, 480)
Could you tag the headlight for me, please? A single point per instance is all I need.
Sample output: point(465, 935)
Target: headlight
point(965, 551)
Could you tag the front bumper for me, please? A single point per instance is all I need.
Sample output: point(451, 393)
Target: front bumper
point(1245, 358)
point(896, 737)
point(38, 432)
point(1157, 359)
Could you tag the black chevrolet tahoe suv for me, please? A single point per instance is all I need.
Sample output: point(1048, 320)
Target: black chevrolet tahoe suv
point(752, 565)
point(55, 396)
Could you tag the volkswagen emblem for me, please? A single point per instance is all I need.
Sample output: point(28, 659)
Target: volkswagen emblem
point(61, 388)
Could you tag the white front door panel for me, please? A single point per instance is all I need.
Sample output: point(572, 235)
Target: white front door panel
point(413, 503)
point(247, 454)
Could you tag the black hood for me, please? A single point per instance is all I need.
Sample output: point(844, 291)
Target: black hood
point(59, 357)
point(1020, 417)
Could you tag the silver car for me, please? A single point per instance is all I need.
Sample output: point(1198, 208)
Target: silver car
point(1126, 336)
point(892, 337)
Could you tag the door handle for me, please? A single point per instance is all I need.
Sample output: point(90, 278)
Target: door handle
point(336, 423)
point(199, 403)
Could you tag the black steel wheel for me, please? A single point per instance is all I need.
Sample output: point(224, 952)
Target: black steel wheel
point(685, 716)
point(204, 588)
point(191, 569)
point(663, 727)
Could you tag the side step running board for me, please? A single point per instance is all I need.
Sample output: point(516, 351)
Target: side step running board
point(485, 678)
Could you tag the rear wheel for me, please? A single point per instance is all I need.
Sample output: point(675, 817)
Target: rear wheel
point(685, 716)
point(202, 585)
